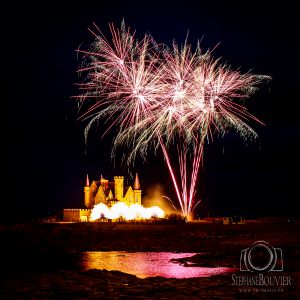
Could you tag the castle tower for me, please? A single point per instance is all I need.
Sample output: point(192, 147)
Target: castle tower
point(119, 187)
point(136, 185)
point(137, 190)
point(87, 192)
point(104, 183)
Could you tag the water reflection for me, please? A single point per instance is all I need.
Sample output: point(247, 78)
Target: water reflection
point(147, 264)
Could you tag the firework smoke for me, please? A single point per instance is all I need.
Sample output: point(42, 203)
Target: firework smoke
point(118, 210)
point(166, 98)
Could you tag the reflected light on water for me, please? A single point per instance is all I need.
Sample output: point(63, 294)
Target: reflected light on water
point(147, 264)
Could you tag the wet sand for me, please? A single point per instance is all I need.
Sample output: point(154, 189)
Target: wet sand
point(222, 245)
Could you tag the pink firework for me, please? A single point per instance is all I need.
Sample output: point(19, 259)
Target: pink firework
point(158, 97)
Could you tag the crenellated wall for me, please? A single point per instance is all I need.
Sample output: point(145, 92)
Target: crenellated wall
point(76, 214)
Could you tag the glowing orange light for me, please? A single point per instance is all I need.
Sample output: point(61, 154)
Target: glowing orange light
point(134, 211)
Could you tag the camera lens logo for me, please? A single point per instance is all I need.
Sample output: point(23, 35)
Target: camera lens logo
point(260, 256)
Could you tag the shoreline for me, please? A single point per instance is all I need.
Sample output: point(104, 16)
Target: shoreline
point(219, 245)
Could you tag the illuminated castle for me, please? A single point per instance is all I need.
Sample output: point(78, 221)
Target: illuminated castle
point(104, 191)
point(109, 193)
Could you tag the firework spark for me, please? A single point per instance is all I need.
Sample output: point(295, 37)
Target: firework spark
point(157, 96)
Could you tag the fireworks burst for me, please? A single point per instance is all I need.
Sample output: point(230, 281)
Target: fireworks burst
point(157, 97)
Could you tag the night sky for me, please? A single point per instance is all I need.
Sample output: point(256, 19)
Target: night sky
point(45, 157)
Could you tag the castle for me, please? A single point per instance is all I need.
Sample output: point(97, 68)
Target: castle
point(104, 191)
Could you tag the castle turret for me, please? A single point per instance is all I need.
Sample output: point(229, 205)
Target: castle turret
point(137, 190)
point(110, 195)
point(104, 183)
point(119, 187)
point(136, 185)
point(87, 192)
